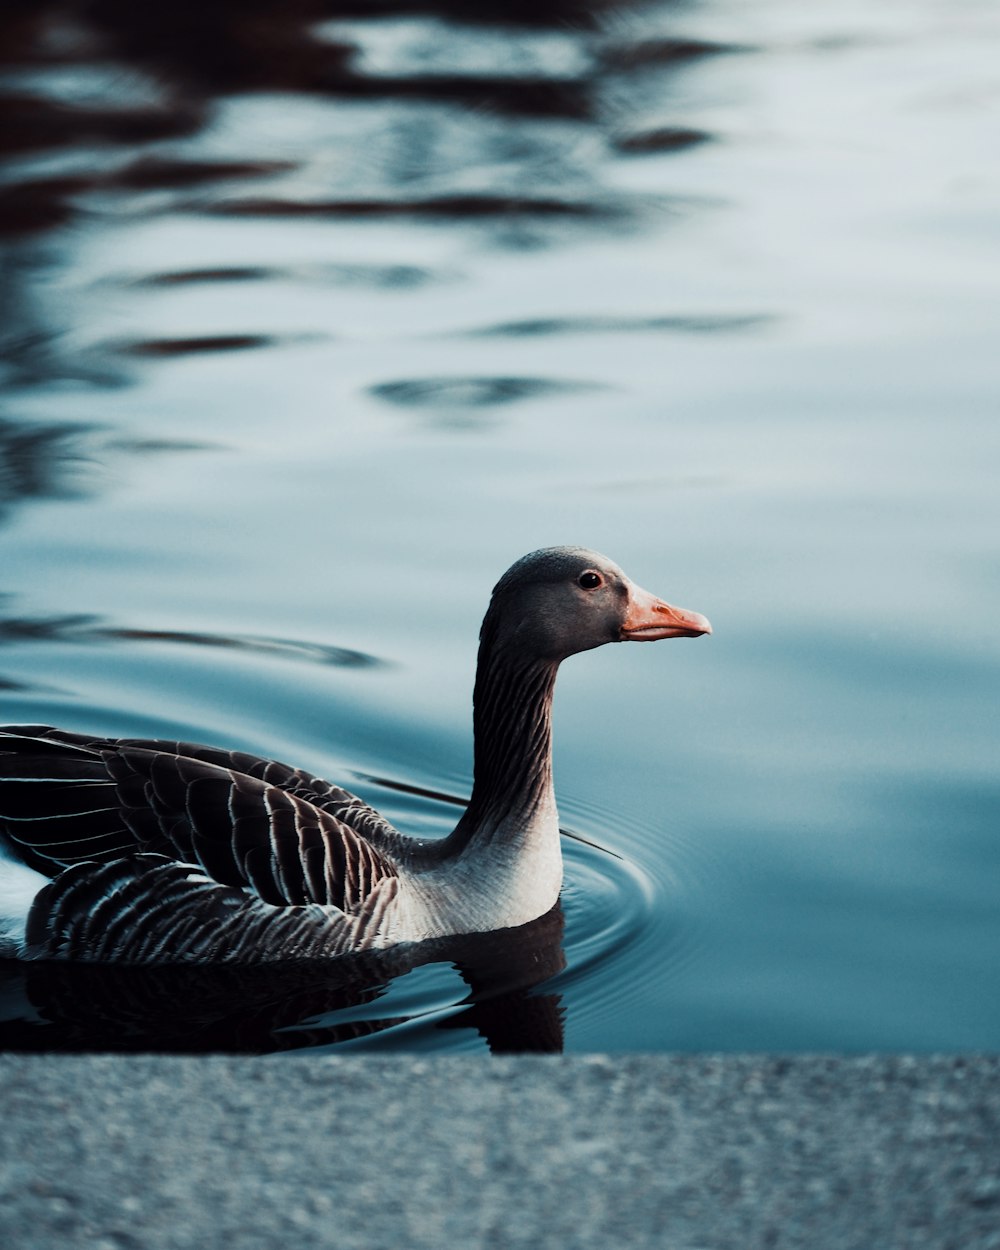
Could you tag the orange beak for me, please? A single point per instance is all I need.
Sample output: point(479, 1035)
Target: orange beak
point(648, 619)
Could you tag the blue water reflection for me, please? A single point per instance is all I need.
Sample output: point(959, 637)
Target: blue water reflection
point(310, 324)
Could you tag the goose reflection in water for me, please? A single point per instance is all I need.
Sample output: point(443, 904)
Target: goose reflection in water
point(266, 1008)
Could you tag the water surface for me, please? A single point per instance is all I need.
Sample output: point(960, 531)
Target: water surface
point(310, 327)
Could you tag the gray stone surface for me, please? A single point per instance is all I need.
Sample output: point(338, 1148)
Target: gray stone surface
point(682, 1152)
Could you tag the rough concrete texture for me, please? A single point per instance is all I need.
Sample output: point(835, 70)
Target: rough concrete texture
point(682, 1152)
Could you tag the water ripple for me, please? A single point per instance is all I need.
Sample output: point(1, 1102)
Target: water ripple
point(378, 277)
point(204, 344)
point(691, 323)
point(470, 205)
point(87, 628)
point(472, 392)
point(646, 53)
point(662, 139)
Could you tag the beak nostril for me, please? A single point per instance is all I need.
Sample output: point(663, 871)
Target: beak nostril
point(649, 618)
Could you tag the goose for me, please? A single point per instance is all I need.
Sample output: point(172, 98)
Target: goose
point(144, 851)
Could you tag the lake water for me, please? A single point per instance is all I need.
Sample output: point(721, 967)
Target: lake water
point(316, 316)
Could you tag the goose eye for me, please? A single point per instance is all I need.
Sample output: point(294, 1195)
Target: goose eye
point(589, 580)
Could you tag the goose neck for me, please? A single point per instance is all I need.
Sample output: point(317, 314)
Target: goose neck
point(512, 721)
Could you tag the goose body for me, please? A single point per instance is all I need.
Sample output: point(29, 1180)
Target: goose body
point(148, 851)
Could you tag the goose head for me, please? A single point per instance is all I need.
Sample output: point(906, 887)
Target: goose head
point(561, 600)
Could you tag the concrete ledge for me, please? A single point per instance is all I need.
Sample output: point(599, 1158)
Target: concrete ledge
point(676, 1152)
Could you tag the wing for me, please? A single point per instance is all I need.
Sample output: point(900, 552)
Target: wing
point(67, 799)
point(152, 910)
point(347, 807)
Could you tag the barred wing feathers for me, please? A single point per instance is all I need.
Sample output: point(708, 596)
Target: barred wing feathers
point(67, 799)
point(149, 909)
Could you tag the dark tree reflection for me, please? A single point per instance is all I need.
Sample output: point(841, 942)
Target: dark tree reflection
point(104, 105)
point(37, 461)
